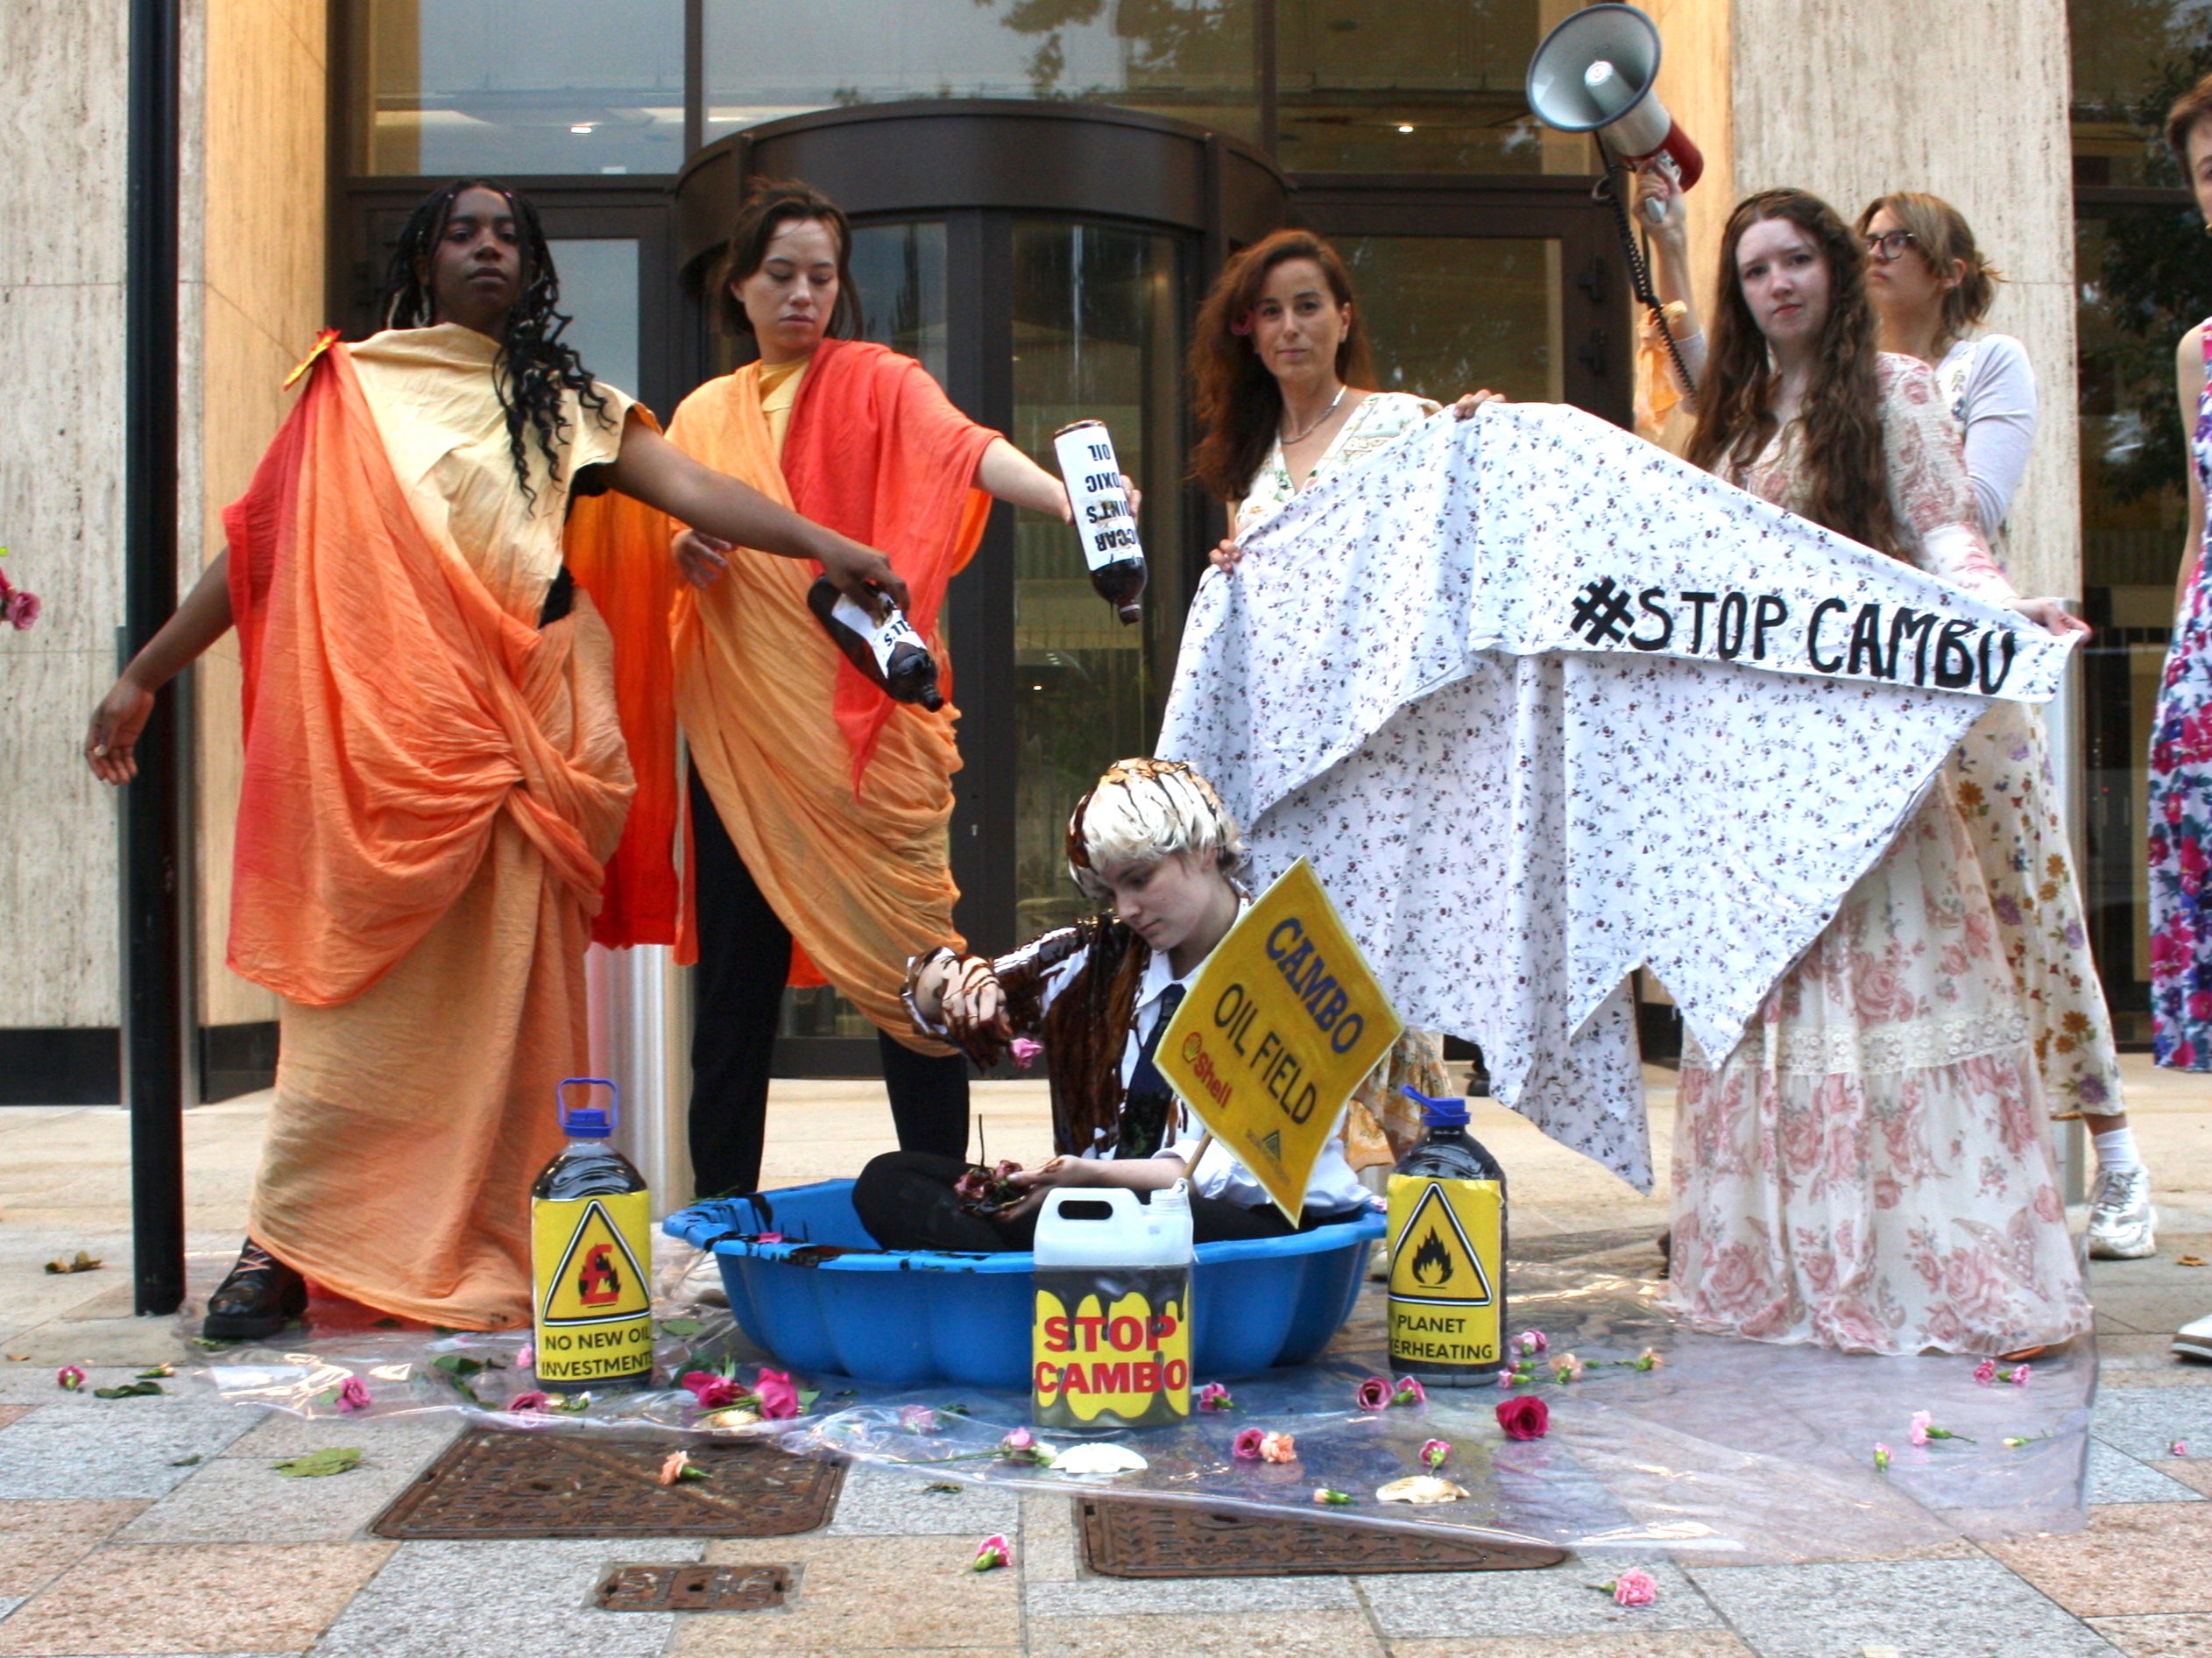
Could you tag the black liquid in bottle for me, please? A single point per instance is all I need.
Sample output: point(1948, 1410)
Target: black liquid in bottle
point(1104, 521)
point(1447, 1306)
point(886, 649)
point(591, 1254)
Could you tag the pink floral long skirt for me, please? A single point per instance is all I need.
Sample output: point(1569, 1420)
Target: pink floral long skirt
point(1870, 1168)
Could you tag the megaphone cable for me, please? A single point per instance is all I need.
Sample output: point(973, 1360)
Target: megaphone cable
point(1609, 190)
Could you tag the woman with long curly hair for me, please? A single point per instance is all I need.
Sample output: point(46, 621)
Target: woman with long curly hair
point(1869, 1169)
point(434, 769)
point(1280, 367)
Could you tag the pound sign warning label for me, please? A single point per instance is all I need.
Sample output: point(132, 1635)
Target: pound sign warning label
point(594, 1300)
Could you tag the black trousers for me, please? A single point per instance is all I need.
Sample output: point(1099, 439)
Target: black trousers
point(745, 956)
point(905, 1200)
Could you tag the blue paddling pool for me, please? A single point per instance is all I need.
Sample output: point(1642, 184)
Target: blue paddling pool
point(902, 1317)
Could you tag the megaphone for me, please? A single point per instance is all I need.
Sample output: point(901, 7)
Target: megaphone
point(1594, 72)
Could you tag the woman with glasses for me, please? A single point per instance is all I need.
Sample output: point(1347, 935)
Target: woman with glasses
point(1929, 286)
point(1868, 1168)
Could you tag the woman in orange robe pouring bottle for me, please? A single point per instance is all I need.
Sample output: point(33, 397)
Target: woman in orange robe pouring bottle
point(819, 808)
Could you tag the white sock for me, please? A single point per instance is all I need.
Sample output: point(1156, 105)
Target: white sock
point(2116, 1151)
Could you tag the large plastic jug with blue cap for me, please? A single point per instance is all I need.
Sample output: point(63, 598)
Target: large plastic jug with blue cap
point(1110, 1338)
point(591, 1254)
point(1447, 1253)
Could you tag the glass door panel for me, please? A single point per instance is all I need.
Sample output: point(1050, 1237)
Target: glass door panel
point(599, 292)
point(1096, 336)
point(1448, 314)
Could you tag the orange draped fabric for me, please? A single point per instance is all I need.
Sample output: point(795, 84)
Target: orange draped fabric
point(405, 723)
point(430, 785)
point(837, 798)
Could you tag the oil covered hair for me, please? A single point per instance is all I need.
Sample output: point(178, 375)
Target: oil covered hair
point(769, 205)
point(1142, 811)
point(1845, 472)
point(534, 367)
point(1239, 403)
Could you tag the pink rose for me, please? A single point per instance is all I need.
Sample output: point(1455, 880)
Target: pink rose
point(23, 610)
point(1524, 1416)
point(1372, 1395)
point(2018, 1375)
point(524, 1404)
point(69, 1379)
point(1246, 1446)
point(991, 1552)
point(712, 1392)
point(1530, 1341)
point(1026, 1052)
point(353, 1394)
point(778, 1395)
point(1435, 1453)
point(1409, 1392)
point(1278, 1448)
point(1214, 1396)
point(1634, 1587)
point(1986, 1372)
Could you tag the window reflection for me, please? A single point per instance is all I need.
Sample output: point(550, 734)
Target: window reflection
point(516, 87)
point(1452, 314)
point(1095, 337)
point(1381, 86)
point(599, 293)
point(1194, 58)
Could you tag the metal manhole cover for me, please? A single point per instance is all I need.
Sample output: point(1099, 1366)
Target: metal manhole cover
point(1176, 1539)
point(693, 1587)
point(495, 1484)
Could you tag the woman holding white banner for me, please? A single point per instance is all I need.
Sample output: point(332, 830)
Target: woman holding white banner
point(1868, 1168)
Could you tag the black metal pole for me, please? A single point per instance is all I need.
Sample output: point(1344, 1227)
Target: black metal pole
point(152, 842)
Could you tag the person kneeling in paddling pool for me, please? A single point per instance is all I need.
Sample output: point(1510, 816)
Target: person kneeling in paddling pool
point(1153, 841)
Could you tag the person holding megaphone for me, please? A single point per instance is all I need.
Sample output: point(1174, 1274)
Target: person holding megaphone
point(1867, 1171)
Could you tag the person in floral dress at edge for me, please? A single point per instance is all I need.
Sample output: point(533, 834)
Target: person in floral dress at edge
point(1867, 1169)
point(1280, 359)
point(2181, 813)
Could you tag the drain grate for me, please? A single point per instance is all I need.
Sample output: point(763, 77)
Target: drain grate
point(495, 1484)
point(1176, 1539)
point(695, 1588)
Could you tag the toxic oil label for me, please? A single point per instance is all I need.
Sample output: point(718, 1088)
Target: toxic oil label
point(1111, 1348)
point(594, 1299)
point(1446, 1269)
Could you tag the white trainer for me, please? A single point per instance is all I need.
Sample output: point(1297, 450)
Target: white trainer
point(2194, 1339)
point(2122, 1222)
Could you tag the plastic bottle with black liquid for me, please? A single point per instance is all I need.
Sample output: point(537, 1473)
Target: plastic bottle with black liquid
point(1104, 521)
point(886, 649)
point(591, 1255)
point(1447, 1298)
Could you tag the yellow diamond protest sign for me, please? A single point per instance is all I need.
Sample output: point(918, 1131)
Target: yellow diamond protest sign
point(1281, 1023)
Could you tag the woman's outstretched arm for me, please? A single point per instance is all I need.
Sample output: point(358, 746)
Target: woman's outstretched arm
point(121, 715)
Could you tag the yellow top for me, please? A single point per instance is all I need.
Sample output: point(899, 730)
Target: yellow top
point(436, 403)
point(778, 390)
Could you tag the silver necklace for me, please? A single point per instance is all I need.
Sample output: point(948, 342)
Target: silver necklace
point(1318, 419)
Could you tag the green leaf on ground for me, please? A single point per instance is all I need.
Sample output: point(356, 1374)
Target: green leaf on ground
point(128, 1390)
point(158, 1369)
point(336, 1460)
point(185, 1462)
point(682, 1326)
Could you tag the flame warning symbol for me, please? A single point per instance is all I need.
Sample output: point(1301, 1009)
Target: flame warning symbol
point(1443, 1265)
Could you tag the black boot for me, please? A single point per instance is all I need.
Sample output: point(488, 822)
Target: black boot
point(259, 1298)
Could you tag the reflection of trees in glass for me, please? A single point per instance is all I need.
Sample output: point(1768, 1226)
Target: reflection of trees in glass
point(2153, 285)
point(1170, 42)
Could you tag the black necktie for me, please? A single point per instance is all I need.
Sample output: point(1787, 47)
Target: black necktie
point(1149, 1101)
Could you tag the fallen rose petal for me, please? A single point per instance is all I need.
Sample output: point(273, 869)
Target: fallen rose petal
point(710, 1391)
point(69, 1379)
point(528, 1357)
point(2178, 1448)
point(2018, 1375)
point(1246, 1443)
point(992, 1553)
point(1524, 1416)
point(1372, 1395)
point(768, 1237)
point(353, 1394)
point(1026, 1052)
point(1634, 1587)
point(1278, 1448)
point(1409, 1392)
point(1921, 1421)
point(536, 1400)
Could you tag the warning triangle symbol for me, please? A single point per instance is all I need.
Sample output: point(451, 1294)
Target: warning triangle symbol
point(1432, 1260)
point(598, 1281)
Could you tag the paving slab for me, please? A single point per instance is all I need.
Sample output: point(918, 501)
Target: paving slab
point(2181, 1635)
point(39, 1541)
point(1292, 1634)
point(237, 1500)
point(81, 1447)
point(2145, 1421)
point(2117, 1478)
point(1091, 1596)
point(192, 1598)
point(1655, 1643)
point(1558, 1600)
point(877, 1502)
point(1924, 1608)
point(2134, 1558)
point(532, 1599)
point(866, 1595)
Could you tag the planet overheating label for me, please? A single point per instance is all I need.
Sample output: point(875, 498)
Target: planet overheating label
point(1446, 1245)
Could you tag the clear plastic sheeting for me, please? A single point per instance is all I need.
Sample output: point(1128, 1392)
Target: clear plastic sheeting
point(1733, 1448)
point(1726, 1448)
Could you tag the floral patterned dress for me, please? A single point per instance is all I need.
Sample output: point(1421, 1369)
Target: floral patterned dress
point(2008, 792)
point(1383, 1124)
point(1870, 1168)
point(2182, 806)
